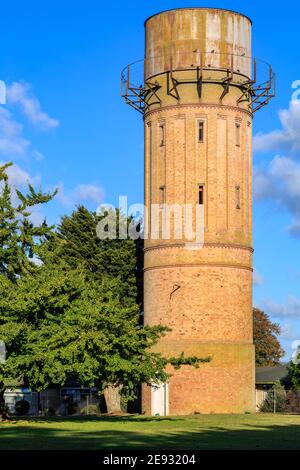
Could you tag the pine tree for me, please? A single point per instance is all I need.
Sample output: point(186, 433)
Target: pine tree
point(75, 315)
point(19, 238)
point(19, 244)
point(62, 327)
point(116, 263)
point(113, 258)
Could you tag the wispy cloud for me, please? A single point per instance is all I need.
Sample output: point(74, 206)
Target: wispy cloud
point(289, 332)
point(280, 181)
point(291, 308)
point(258, 279)
point(81, 194)
point(20, 93)
point(20, 178)
point(287, 138)
point(12, 142)
point(13, 145)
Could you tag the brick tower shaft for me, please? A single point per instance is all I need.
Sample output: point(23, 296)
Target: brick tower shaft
point(198, 104)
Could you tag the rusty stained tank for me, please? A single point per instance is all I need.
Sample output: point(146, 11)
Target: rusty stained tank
point(173, 38)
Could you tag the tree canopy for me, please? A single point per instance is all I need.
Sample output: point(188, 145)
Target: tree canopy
point(74, 314)
point(19, 237)
point(20, 240)
point(268, 350)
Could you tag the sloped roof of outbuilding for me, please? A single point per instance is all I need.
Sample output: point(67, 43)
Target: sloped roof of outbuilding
point(269, 374)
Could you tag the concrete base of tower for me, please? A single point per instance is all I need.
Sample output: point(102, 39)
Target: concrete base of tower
point(224, 385)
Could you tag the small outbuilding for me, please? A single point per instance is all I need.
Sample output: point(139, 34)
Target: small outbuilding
point(265, 377)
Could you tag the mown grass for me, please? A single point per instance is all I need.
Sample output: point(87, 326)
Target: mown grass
point(260, 431)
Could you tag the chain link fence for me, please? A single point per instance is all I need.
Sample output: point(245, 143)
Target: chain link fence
point(52, 402)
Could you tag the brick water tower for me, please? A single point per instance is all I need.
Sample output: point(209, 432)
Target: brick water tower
point(198, 92)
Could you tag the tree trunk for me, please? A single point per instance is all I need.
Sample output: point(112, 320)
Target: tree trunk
point(113, 399)
point(3, 411)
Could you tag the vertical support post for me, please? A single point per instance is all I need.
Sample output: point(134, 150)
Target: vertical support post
point(254, 70)
point(128, 79)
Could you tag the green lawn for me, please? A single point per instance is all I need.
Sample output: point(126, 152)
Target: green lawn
point(261, 431)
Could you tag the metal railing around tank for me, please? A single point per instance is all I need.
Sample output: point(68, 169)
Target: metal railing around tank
point(254, 78)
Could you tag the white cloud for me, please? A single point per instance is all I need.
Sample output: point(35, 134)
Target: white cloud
point(21, 94)
point(294, 228)
point(289, 332)
point(290, 309)
point(19, 177)
point(280, 181)
point(36, 216)
point(12, 143)
point(80, 194)
point(258, 279)
point(89, 192)
point(38, 155)
point(287, 138)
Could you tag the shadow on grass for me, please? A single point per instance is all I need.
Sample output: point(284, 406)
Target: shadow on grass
point(104, 419)
point(92, 433)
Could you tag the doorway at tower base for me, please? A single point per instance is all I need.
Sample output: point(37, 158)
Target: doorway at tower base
point(160, 399)
point(224, 385)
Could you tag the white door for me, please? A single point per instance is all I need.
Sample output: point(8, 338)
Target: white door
point(160, 399)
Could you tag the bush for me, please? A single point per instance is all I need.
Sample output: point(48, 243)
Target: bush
point(72, 406)
point(293, 402)
point(50, 411)
point(90, 410)
point(278, 393)
point(22, 407)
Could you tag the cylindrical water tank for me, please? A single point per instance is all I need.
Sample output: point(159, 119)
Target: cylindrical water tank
point(189, 37)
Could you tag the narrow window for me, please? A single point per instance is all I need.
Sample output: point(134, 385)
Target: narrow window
point(162, 195)
point(238, 196)
point(201, 195)
point(237, 134)
point(161, 135)
point(200, 131)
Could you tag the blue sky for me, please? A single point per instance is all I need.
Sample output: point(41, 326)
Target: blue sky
point(65, 124)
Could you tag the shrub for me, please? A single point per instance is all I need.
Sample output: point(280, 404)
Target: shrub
point(22, 407)
point(50, 411)
point(293, 402)
point(90, 410)
point(277, 393)
point(72, 406)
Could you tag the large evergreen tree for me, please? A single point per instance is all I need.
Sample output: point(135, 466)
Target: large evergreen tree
point(19, 243)
point(68, 328)
point(74, 315)
point(112, 258)
point(118, 262)
point(19, 237)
